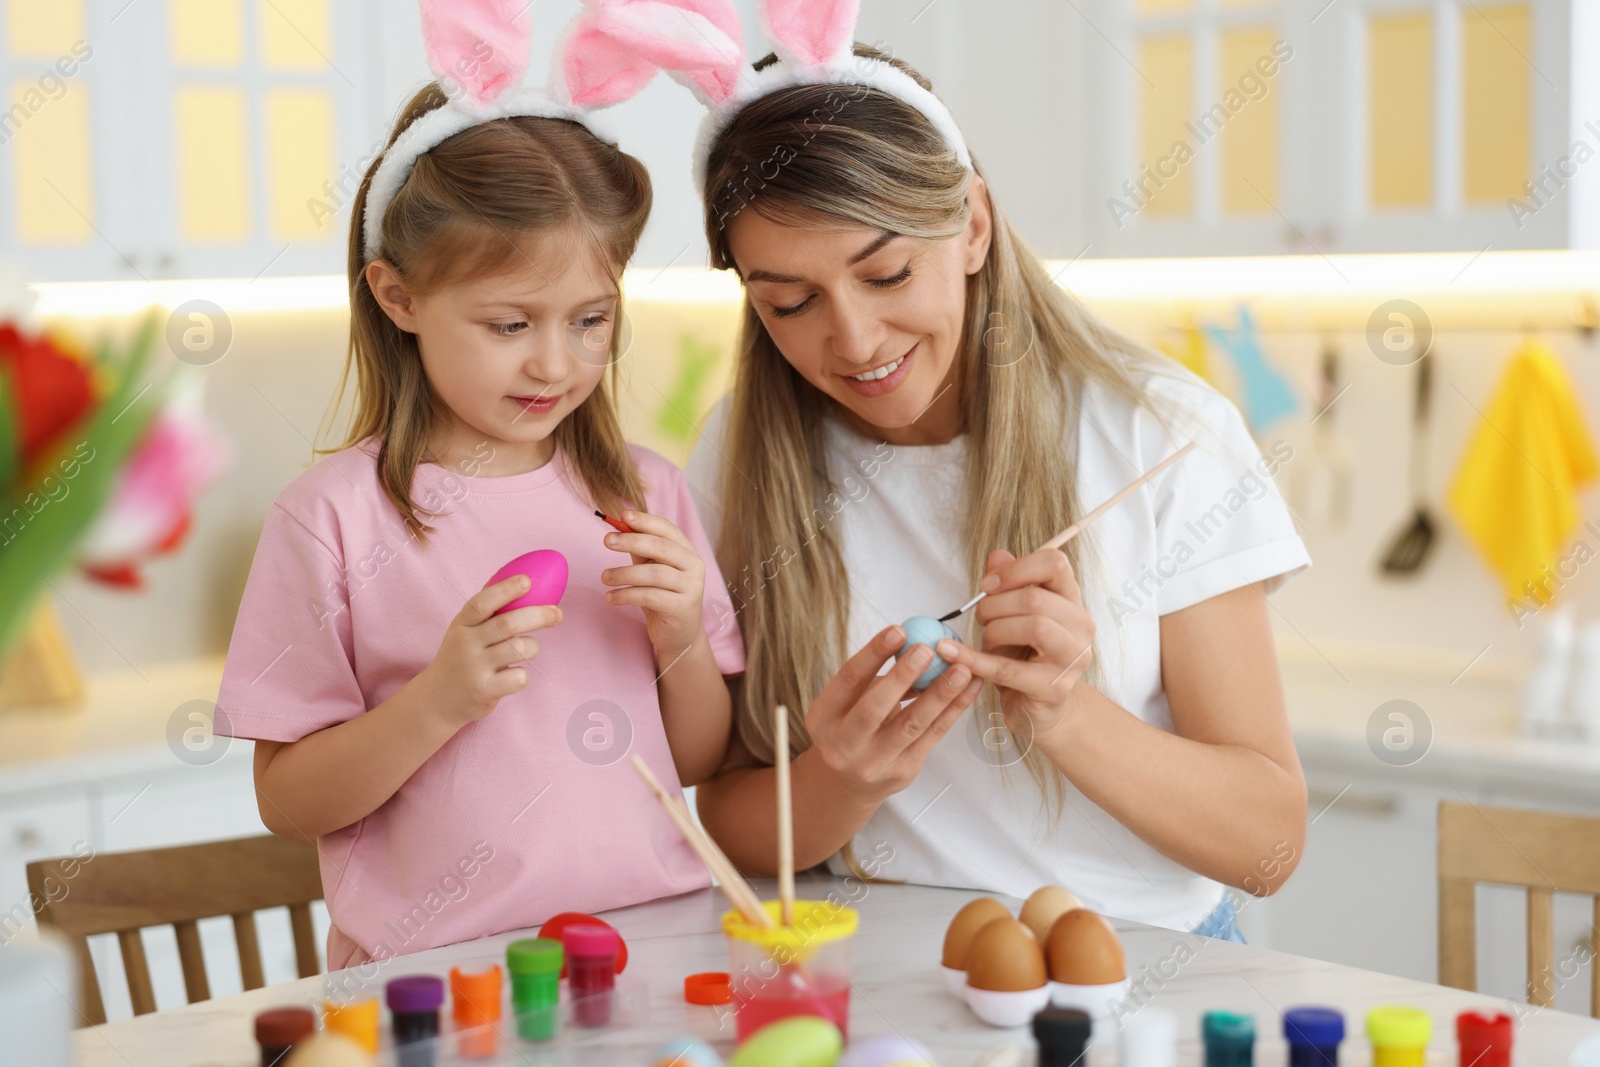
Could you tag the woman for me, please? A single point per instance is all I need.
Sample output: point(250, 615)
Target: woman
point(917, 407)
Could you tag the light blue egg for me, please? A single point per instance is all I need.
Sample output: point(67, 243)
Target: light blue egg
point(922, 630)
point(886, 1050)
point(686, 1052)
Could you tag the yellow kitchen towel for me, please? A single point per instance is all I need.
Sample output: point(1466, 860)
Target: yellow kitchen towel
point(1515, 492)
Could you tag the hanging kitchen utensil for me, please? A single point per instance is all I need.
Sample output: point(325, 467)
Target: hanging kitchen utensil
point(1320, 483)
point(1412, 545)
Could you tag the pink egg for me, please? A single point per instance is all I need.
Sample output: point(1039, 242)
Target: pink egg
point(547, 576)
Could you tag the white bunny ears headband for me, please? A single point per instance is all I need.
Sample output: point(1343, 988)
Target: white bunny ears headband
point(479, 49)
point(812, 40)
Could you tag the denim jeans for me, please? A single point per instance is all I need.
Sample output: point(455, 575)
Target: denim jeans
point(1221, 922)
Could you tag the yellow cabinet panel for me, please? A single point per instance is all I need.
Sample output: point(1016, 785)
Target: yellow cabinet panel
point(213, 163)
point(49, 143)
point(295, 34)
point(299, 160)
point(1496, 102)
point(1400, 110)
point(43, 28)
point(206, 33)
point(1165, 180)
point(1162, 7)
point(1250, 139)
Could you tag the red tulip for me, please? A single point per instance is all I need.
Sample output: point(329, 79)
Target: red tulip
point(51, 389)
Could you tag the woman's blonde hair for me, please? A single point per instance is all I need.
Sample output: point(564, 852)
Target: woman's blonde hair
point(465, 210)
point(811, 154)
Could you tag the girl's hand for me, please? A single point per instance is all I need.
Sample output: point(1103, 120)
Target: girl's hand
point(667, 581)
point(1036, 637)
point(860, 731)
point(473, 668)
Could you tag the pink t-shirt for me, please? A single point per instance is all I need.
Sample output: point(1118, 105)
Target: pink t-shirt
point(532, 810)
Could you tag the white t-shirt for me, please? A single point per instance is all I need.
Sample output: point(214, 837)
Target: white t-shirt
point(1213, 522)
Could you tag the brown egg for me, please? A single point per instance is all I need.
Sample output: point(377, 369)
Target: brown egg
point(968, 921)
point(1047, 905)
point(1083, 950)
point(1004, 958)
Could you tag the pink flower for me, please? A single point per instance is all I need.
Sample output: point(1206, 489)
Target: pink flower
point(151, 506)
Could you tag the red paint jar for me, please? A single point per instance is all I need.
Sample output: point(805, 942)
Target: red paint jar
point(591, 971)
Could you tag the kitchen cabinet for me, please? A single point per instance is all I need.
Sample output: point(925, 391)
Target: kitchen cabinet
point(181, 138)
point(151, 801)
point(1365, 893)
point(116, 774)
point(1218, 127)
point(35, 828)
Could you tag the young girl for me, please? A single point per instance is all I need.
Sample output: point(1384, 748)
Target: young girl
point(460, 775)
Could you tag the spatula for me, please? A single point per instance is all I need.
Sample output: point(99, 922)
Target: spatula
point(1412, 545)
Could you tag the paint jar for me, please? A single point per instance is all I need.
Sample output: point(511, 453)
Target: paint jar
point(591, 971)
point(1314, 1035)
point(1230, 1039)
point(1399, 1036)
point(277, 1030)
point(535, 967)
point(475, 1009)
point(359, 1021)
point(1485, 1040)
point(1149, 1038)
point(1063, 1035)
point(414, 1003)
point(780, 971)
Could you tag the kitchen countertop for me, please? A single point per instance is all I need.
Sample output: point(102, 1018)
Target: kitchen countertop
point(122, 726)
point(1466, 728)
point(897, 988)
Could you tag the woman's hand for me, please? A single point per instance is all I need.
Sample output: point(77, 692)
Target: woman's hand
point(860, 731)
point(1037, 637)
point(666, 581)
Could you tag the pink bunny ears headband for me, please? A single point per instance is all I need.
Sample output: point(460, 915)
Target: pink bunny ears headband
point(479, 49)
point(812, 40)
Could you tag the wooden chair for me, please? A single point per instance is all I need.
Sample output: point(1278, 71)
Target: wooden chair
point(121, 893)
point(1546, 853)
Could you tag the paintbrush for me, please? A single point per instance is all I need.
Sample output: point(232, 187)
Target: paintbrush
point(1082, 524)
point(785, 817)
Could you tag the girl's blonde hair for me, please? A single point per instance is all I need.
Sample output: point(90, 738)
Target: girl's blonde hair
point(466, 210)
point(812, 154)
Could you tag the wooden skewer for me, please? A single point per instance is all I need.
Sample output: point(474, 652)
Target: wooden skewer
point(734, 887)
point(1082, 524)
point(737, 890)
point(785, 818)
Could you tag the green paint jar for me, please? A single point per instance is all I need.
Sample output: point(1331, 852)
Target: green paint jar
point(535, 967)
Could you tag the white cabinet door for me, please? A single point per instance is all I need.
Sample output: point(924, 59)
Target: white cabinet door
point(35, 828)
point(1365, 893)
point(1217, 127)
point(192, 138)
point(1445, 111)
point(1189, 114)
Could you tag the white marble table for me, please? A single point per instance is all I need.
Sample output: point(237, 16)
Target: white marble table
point(896, 988)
